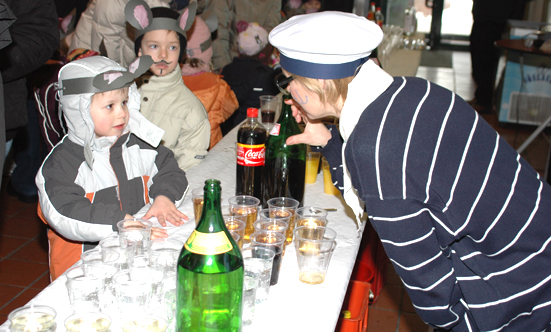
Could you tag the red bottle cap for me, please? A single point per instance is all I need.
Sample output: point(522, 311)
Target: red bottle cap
point(252, 112)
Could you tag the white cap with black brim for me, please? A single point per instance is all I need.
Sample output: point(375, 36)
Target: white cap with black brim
point(325, 45)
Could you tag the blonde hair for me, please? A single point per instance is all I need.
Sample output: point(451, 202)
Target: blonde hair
point(334, 88)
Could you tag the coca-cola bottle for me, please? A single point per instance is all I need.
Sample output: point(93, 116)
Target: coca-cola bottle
point(285, 164)
point(251, 140)
point(371, 12)
point(379, 17)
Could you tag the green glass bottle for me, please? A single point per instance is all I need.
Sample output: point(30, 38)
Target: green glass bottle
point(285, 165)
point(210, 273)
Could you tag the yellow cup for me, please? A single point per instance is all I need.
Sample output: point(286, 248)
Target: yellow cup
point(328, 186)
point(312, 165)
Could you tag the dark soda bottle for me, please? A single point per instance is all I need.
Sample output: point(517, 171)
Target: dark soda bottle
point(285, 169)
point(210, 273)
point(251, 140)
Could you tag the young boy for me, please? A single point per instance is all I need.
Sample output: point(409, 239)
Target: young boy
point(108, 166)
point(166, 101)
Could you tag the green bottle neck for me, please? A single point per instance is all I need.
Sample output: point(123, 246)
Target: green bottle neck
point(211, 218)
point(286, 111)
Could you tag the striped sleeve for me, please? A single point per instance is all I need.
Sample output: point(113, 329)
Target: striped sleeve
point(333, 153)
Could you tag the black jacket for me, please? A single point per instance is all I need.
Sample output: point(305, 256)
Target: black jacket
point(249, 79)
point(35, 37)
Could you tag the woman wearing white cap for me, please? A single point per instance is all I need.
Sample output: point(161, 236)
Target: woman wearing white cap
point(464, 219)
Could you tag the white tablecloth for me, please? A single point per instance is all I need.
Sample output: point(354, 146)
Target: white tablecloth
point(292, 305)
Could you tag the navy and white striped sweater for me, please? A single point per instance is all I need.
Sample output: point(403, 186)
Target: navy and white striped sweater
point(464, 219)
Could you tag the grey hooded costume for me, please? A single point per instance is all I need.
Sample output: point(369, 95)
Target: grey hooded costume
point(87, 184)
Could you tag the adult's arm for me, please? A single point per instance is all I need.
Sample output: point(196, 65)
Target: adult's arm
point(332, 151)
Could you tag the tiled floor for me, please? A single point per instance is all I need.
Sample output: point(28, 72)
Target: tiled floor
point(23, 244)
point(23, 253)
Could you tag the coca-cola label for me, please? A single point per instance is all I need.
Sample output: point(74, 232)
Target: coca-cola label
point(275, 129)
point(250, 155)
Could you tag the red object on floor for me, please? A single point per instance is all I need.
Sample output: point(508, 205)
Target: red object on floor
point(355, 308)
point(371, 262)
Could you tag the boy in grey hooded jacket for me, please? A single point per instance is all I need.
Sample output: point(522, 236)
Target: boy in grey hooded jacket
point(96, 177)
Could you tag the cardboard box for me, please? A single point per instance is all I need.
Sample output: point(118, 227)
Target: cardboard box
point(526, 93)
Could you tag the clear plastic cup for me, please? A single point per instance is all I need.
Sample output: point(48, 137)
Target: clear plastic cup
point(135, 232)
point(88, 321)
point(112, 245)
point(311, 216)
point(290, 205)
point(145, 323)
point(312, 166)
point(244, 205)
point(273, 241)
point(314, 248)
point(133, 292)
point(39, 318)
point(250, 285)
point(197, 196)
point(237, 225)
point(260, 259)
point(84, 290)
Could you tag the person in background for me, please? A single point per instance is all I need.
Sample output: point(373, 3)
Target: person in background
point(35, 37)
point(463, 218)
point(219, 15)
point(6, 19)
point(213, 92)
point(166, 101)
point(102, 28)
point(489, 23)
point(68, 12)
point(251, 74)
point(108, 166)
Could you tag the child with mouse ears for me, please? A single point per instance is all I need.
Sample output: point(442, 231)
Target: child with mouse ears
point(165, 100)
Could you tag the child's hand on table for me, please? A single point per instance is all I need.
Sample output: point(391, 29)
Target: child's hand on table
point(165, 210)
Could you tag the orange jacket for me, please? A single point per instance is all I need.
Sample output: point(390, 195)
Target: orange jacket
point(217, 98)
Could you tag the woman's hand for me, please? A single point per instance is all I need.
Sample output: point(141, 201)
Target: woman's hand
point(315, 133)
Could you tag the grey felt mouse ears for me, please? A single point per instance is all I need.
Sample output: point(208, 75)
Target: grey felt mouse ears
point(106, 81)
point(139, 15)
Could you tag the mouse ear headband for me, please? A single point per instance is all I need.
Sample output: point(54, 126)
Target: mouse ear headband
point(106, 81)
point(139, 15)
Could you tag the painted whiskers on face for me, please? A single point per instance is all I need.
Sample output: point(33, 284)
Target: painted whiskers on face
point(162, 62)
point(298, 98)
point(164, 47)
